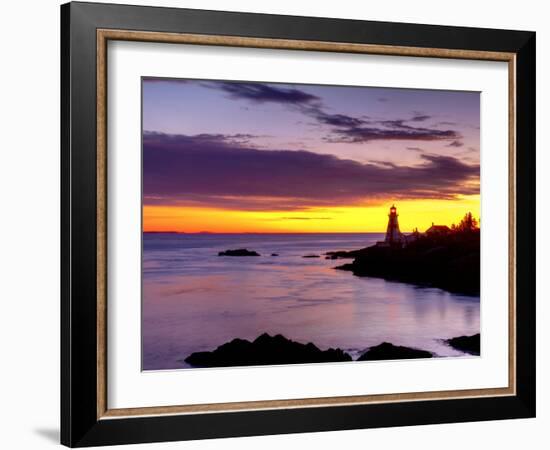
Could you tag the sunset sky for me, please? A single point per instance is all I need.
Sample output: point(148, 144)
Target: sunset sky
point(234, 157)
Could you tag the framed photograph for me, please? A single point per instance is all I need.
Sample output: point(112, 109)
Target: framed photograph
point(276, 224)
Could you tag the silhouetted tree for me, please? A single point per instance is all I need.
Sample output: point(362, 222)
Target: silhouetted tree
point(468, 223)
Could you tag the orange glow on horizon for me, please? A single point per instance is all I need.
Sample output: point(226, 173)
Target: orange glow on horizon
point(348, 219)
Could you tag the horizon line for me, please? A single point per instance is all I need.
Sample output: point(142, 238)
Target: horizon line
point(263, 232)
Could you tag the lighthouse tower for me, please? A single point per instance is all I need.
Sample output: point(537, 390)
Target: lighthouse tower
point(393, 235)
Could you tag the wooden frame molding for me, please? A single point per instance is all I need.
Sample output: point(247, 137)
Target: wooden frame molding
point(103, 36)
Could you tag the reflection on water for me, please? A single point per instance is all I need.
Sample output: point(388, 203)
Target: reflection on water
point(194, 300)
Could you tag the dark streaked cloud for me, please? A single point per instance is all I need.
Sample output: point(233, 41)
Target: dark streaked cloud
point(216, 171)
point(244, 139)
point(335, 120)
point(394, 133)
point(349, 129)
point(261, 92)
point(455, 143)
point(420, 118)
point(167, 80)
point(343, 128)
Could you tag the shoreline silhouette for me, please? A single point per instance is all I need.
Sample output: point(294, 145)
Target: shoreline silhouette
point(277, 350)
point(442, 257)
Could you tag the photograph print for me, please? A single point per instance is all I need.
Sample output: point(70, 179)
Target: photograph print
point(300, 224)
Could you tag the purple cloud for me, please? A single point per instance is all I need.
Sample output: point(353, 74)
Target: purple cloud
point(455, 144)
point(216, 171)
point(349, 129)
point(420, 118)
point(262, 93)
point(166, 80)
point(397, 133)
point(345, 128)
point(335, 120)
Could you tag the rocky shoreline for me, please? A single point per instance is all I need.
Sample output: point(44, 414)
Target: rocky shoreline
point(388, 351)
point(466, 344)
point(449, 262)
point(274, 350)
point(265, 350)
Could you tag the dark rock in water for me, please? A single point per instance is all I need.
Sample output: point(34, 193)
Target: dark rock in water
point(274, 254)
point(343, 254)
point(265, 350)
point(386, 351)
point(239, 252)
point(311, 256)
point(450, 262)
point(467, 344)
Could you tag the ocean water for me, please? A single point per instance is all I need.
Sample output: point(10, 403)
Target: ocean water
point(194, 300)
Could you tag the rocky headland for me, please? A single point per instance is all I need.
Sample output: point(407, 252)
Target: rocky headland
point(450, 262)
point(466, 344)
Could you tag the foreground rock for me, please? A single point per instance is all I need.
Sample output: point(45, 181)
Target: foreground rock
point(467, 344)
point(265, 350)
point(446, 262)
point(239, 252)
point(386, 351)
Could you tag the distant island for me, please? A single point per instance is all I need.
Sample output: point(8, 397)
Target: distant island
point(163, 232)
point(442, 257)
point(239, 252)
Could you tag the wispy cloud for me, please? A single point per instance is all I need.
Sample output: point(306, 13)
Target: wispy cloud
point(455, 143)
point(262, 93)
point(420, 118)
point(342, 128)
point(151, 80)
point(389, 133)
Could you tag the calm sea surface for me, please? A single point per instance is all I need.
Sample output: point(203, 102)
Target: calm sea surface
point(194, 300)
